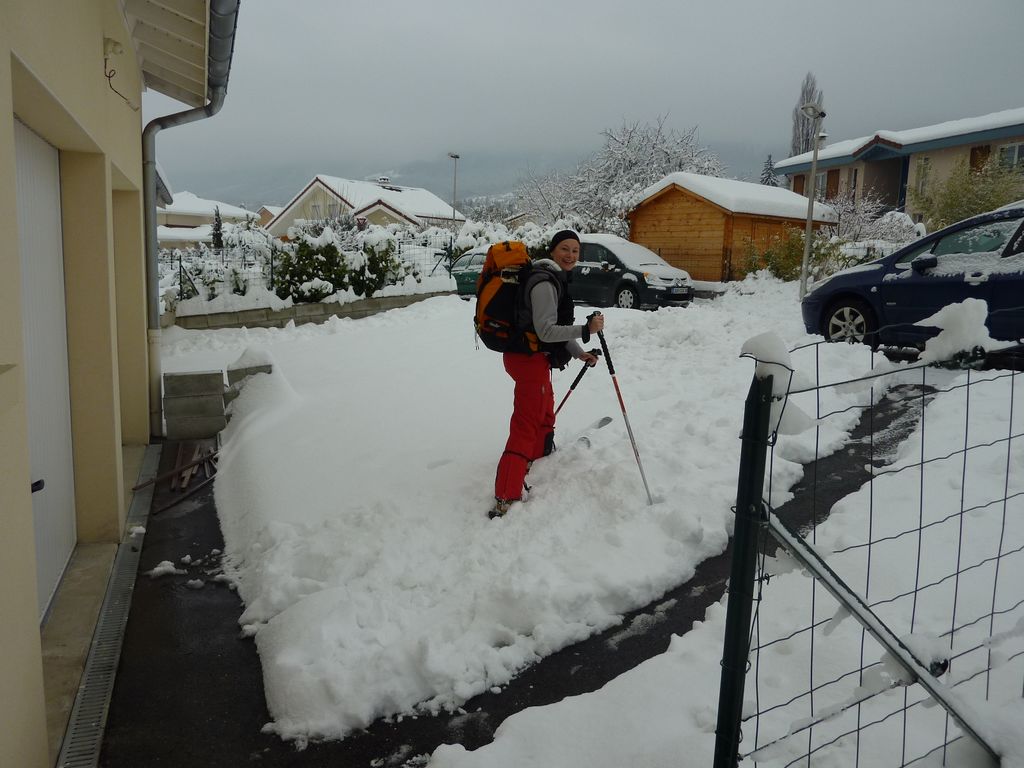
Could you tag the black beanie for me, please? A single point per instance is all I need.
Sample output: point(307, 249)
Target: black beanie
point(565, 234)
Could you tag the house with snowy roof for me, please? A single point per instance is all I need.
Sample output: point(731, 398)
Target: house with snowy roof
point(707, 225)
point(888, 163)
point(190, 210)
point(188, 220)
point(267, 213)
point(373, 202)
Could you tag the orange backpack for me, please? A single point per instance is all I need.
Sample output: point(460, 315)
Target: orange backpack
point(499, 298)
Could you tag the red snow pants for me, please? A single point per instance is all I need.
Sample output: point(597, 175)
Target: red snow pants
point(533, 419)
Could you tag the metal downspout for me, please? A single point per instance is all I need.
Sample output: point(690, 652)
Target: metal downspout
point(223, 24)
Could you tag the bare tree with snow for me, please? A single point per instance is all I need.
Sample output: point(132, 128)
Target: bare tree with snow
point(866, 217)
point(802, 139)
point(611, 182)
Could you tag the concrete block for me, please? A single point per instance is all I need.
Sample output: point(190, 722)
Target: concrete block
point(248, 316)
point(194, 405)
point(281, 315)
point(235, 375)
point(308, 310)
point(195, 427)
point(194, 383)
point(192, 322)
point(223, 319)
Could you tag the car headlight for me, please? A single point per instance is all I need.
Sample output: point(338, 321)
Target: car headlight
point(812, 287)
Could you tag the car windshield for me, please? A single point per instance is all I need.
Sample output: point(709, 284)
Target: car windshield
point(957, 250)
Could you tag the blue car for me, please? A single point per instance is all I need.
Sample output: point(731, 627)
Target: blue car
point(878, 303)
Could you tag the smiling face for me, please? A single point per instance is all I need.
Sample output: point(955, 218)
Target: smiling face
point(566, 254)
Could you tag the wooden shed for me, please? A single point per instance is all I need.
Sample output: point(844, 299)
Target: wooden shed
point(705, 224)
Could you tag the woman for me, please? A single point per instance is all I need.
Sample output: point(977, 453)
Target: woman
point(547, 310)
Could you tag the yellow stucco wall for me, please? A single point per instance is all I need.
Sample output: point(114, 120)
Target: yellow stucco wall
point(305, 208)
point(51, 78)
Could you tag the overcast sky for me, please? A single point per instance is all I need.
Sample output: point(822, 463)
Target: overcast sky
point(353, 89)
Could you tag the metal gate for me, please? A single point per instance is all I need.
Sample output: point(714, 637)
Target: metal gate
point(46, 358)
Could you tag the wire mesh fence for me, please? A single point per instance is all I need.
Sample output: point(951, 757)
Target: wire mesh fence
point(209, 272)
point(886, 618)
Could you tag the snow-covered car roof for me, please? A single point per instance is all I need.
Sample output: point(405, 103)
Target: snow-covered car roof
point(632, 254)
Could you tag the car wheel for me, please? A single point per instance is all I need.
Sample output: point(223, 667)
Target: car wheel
point(851, 320)
point(626, 298)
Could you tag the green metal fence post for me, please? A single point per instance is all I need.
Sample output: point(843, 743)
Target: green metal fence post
point(736, 646)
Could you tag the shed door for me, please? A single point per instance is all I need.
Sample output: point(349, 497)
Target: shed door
point(46, 357)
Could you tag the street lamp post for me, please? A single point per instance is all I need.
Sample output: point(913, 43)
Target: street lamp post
point(815, 113)
point(455, 167)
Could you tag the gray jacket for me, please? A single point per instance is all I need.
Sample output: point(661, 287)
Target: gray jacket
point(541, 306)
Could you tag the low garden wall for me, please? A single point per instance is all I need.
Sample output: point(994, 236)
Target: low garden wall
point(299, 313)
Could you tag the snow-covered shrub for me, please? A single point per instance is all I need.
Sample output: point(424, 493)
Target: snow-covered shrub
point(249, 242)
point(376, 264)
point(783, 255)
point(312, 290)
point(478, 233)
point(213, 275)
point(363, 261)
point(864, 217)
point(968, 191)
point(895, 227)
point(538, 238)
point(237, 280)
point(312, 258)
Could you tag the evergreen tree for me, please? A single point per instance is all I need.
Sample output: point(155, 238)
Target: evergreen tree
point(802, 139)
point(218, 229)
point(768, 177)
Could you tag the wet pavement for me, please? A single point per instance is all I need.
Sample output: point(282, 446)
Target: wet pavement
point(189, 689)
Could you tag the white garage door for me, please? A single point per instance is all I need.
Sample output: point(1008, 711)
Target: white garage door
point(46, 358)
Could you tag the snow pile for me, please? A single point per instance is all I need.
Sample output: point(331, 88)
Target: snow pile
point(354, 481)
point(254, 298)
point(663, 713)
point(963, 329)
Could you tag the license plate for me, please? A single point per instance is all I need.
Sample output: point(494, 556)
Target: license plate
point(679, 290)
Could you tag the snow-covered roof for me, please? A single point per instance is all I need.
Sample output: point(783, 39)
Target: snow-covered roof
point(273, 210)
point(417, 201)
point(742, 196)
point(164, 193)
point(200, 234)
point(906, 140)
point(188, 204)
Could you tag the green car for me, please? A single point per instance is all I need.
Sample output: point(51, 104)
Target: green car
point(466, 269)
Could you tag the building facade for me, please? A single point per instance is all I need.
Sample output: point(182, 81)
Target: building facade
point(888, 164)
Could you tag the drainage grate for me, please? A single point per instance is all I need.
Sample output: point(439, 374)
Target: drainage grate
point(84, 736)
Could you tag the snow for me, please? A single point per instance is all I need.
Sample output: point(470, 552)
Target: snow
point(261, 298)
point(200, 234)
point(189, 204)
point(911, 136)
point(963, 329)
point(744, 196)
point(352, 491)
point(163, 568)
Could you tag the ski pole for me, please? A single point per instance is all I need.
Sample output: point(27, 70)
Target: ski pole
point(595, 352)
point(622, 405)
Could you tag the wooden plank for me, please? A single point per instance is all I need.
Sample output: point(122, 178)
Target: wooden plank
point(196, 10)
point(175, 46)
point(191, 29)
